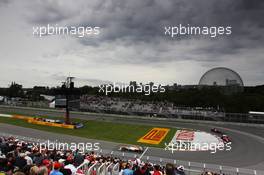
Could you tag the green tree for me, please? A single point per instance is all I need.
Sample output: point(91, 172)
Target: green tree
point(15, 90)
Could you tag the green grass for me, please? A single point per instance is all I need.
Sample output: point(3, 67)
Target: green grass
point(101, 130)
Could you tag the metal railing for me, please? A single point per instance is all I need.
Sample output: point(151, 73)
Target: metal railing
point(191, 168)
point(106, 168)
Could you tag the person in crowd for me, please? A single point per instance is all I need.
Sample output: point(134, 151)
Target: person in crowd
point(128, 170)
point(33, 170)
point(180, 170)
point(43, 171)
point(156, 170)
point(56, 169)
point(28, 158)
point(69, 164)
point(21, 158)
point(170, 169)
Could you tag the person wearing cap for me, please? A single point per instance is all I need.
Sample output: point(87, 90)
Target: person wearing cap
point(180, 170)
point(56, 169)
point(46, 163)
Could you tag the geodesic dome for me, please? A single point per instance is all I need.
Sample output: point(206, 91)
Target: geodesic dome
point(221, 76)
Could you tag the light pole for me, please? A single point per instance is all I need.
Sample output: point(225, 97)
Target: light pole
point(67, 87)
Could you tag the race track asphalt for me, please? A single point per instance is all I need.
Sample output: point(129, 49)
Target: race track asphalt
point(247, 141)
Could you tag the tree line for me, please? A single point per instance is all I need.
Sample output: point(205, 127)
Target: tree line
point(250, 99)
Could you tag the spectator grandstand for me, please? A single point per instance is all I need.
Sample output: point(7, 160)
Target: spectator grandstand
point(126, 106)
point(107, 104)
point(135, 106)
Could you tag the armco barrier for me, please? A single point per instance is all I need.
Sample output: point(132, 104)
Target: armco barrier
point(191, 168)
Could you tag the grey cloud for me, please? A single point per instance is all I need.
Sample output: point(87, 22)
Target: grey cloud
point(4, 2)
point(144, 20)
point(133, 32)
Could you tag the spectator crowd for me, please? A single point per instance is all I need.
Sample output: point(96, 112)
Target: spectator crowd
point(114, 104)
point(25, 158)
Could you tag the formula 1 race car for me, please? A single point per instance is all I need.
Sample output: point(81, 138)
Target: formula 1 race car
point(131, 148)
point(226, 139)
point(214, 130)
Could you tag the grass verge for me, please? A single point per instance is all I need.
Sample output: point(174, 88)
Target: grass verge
point(100, 130)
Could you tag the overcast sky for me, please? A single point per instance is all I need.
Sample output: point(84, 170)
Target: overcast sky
point(131, 44)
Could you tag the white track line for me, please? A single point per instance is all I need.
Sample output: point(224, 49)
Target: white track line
point(144, 152)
